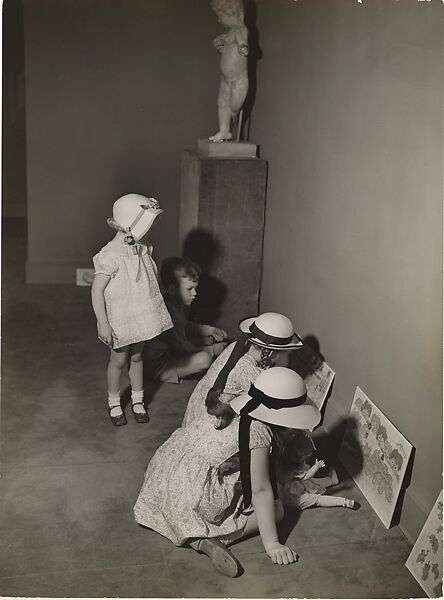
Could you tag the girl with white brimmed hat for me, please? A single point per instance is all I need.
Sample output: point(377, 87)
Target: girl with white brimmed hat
point(261, 340)
point(185, 498)
point(126, 299)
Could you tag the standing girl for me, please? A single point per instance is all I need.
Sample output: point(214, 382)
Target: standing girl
point(239, 364)
point(184, 496)
point(127, 301)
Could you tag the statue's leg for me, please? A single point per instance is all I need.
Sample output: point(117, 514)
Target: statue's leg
point(224, 111)
point(239, 89)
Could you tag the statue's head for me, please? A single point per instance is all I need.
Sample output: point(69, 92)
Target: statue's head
point(229, 12)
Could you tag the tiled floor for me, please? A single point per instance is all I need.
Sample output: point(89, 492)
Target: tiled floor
point(69, 479)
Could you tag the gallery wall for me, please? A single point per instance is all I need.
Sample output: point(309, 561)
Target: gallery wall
point(13, 200)
point(115, 90)
point(348, 113)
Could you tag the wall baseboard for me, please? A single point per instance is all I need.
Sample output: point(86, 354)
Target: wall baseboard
point(53, 272)
point(413, 513)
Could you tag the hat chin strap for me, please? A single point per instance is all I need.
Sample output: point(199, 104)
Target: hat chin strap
point(257, 398)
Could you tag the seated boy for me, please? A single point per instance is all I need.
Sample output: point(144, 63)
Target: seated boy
point(188, 348)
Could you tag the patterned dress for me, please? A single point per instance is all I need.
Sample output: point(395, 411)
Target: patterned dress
point(183, 495)
point(239, 380)
point(134, 305)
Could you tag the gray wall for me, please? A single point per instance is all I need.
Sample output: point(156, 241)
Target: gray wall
point(348, 113)
point(115, 90)
point(13, 125)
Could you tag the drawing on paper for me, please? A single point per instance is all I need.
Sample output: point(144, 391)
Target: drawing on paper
point(318, 376)
point(376, 455)
point(425, 559)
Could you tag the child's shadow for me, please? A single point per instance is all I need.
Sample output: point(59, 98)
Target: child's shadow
point(288, 523)
point(341, 445)
point(202, 247)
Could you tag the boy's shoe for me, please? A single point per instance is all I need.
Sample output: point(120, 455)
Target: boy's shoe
point(140, 417)
point(223, 561)
point(119, 420)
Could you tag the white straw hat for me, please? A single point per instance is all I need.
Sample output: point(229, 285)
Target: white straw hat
point(135, 214)
point(271, 330)
point(279, 397)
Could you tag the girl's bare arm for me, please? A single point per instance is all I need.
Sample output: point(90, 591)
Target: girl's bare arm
point(263, 504)
point(98, 301)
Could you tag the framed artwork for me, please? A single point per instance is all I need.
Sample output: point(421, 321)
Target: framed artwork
point(375, 454)
point(425, 559)
point(318, 376)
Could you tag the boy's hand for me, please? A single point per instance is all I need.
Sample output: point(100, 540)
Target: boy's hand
point(319, 464)
point(105, 333)
point(219, 335)
point(218, 348)
point(280, 554)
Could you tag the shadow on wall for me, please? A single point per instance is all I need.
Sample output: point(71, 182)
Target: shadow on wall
point(202, 247)
point(255, 54)
point(305, 362)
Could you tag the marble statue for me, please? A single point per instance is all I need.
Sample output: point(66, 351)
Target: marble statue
point(233, 46)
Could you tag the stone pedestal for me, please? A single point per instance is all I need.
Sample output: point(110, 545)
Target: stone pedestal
point(222, 208)
point(226, 149)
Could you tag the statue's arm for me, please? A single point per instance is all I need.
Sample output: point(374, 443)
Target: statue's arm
point(241, 36)
point(219, 42)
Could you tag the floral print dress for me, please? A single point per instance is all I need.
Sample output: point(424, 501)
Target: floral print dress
point(134, 304)
point(183, 495)
point(239, 380)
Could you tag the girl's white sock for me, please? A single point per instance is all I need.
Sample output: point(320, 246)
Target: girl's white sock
point(114, 404)
point(137, 396)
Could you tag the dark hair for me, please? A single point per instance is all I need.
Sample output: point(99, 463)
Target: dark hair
point(175, 267)
point(219, 409)
point(292, 447)
point(264, 361)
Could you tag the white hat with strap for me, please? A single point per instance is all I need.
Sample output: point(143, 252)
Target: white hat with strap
point(271, 330)
point(135, 214)
point(278, 396)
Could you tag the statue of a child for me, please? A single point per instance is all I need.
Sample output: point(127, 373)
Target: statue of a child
point(233, 46)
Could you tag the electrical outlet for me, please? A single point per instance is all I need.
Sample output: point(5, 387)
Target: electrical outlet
point(84, 276)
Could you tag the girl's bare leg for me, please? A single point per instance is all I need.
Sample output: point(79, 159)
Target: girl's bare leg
point(117, 362)
point(135, 373)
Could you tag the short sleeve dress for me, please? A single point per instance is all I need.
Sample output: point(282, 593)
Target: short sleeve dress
point(238, 381)
point(134, 304)
point(183, 495)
